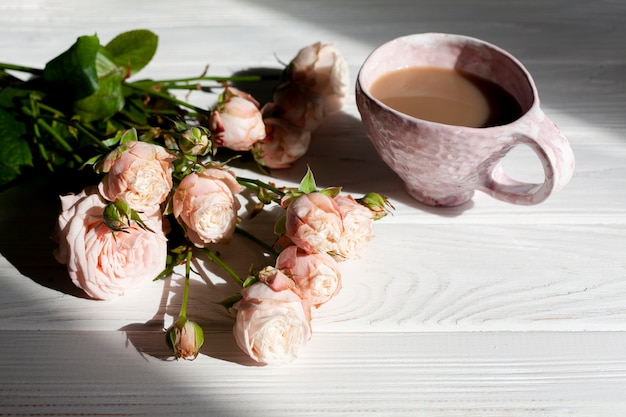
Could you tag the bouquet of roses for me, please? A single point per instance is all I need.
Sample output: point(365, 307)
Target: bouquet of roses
point(165, 193)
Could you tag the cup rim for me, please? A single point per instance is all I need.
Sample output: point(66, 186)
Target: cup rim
point(457, 38)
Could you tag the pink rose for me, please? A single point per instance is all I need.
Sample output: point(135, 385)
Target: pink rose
point(313, 86)
point(284, 144)
point(313, 222)
point(206, 203)
point(316, 275)
point(358, 222)
point(237, 123)
point(299, 106)
point(102, 263)
point(138, 173)
point(271, 326)
point(322, 69)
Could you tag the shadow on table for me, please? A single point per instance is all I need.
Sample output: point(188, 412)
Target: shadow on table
point(28, 214)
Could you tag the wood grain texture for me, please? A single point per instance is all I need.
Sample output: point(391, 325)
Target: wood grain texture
point(459, 374)
point(482, 310)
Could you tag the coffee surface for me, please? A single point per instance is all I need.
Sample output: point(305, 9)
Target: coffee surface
point(446, 96)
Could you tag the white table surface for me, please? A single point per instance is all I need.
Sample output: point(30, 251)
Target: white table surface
point(484, 310)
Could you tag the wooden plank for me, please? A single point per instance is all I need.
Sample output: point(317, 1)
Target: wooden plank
point(392, 374)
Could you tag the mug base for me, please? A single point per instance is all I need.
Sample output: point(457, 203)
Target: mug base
point(440, 200)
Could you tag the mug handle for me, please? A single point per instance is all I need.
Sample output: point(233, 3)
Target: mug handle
point(557, 159)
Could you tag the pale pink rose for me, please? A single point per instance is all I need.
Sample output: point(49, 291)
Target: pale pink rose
point(102, 263)
point(275, 279)
point(313, 86)
point(299, 106)
point(358, 222)
point(284, 144)
point(316, 275)
point(313, 222)
point(271, 326)
point(237, 123)
point(138, 173)
point(322, 69)
point(206, 203)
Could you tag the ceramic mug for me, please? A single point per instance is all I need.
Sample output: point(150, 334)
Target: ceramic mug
point(443, 164)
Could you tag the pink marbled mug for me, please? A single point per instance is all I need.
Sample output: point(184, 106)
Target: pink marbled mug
point(442, 165)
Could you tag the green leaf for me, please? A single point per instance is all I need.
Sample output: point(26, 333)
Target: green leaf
point(14, 151)
point(75, 69)
point(133, 50)
point(307, 185)
point(108, 99)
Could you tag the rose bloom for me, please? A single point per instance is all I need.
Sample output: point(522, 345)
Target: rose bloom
point(299, 106)
point(322, 69)
point(237, 123)
point(272, 326)
point(313, 86)
point(206, 203)
point(104, 263)
point(316, 275)
point(284, 144)
point(313, 223)
point(358, 222)
point(139, 174)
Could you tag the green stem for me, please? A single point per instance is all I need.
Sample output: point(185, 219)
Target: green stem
point(21, 68)
point(57, 115)
point(183, 308)
point(234, 78)
point(153, 92)
point(55, 135)
point(213, 256)
point(256, 240)
point(255, 184)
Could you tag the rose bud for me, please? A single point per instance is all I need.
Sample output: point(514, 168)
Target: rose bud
point(377, 203)
point(205, 202)
point(139, 174)
point(194, 142)
point(284, 144)
point(118, 216)
point(322, 69)
point(299, 106)
point(358, 222)
point(316, 275)
point(313, 222)
point(236, 123)
point(271, 326)
point(185, 338)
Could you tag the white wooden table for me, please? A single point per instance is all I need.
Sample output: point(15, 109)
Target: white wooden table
point(485, 310)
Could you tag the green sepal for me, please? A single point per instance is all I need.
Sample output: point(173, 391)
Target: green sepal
point(332, 192)
point(229, 302)
point(280, 227)
point(307, 185)
point(251, 280)
point(129, 135)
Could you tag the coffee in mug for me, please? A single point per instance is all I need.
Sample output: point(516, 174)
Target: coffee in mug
point(446, 96)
